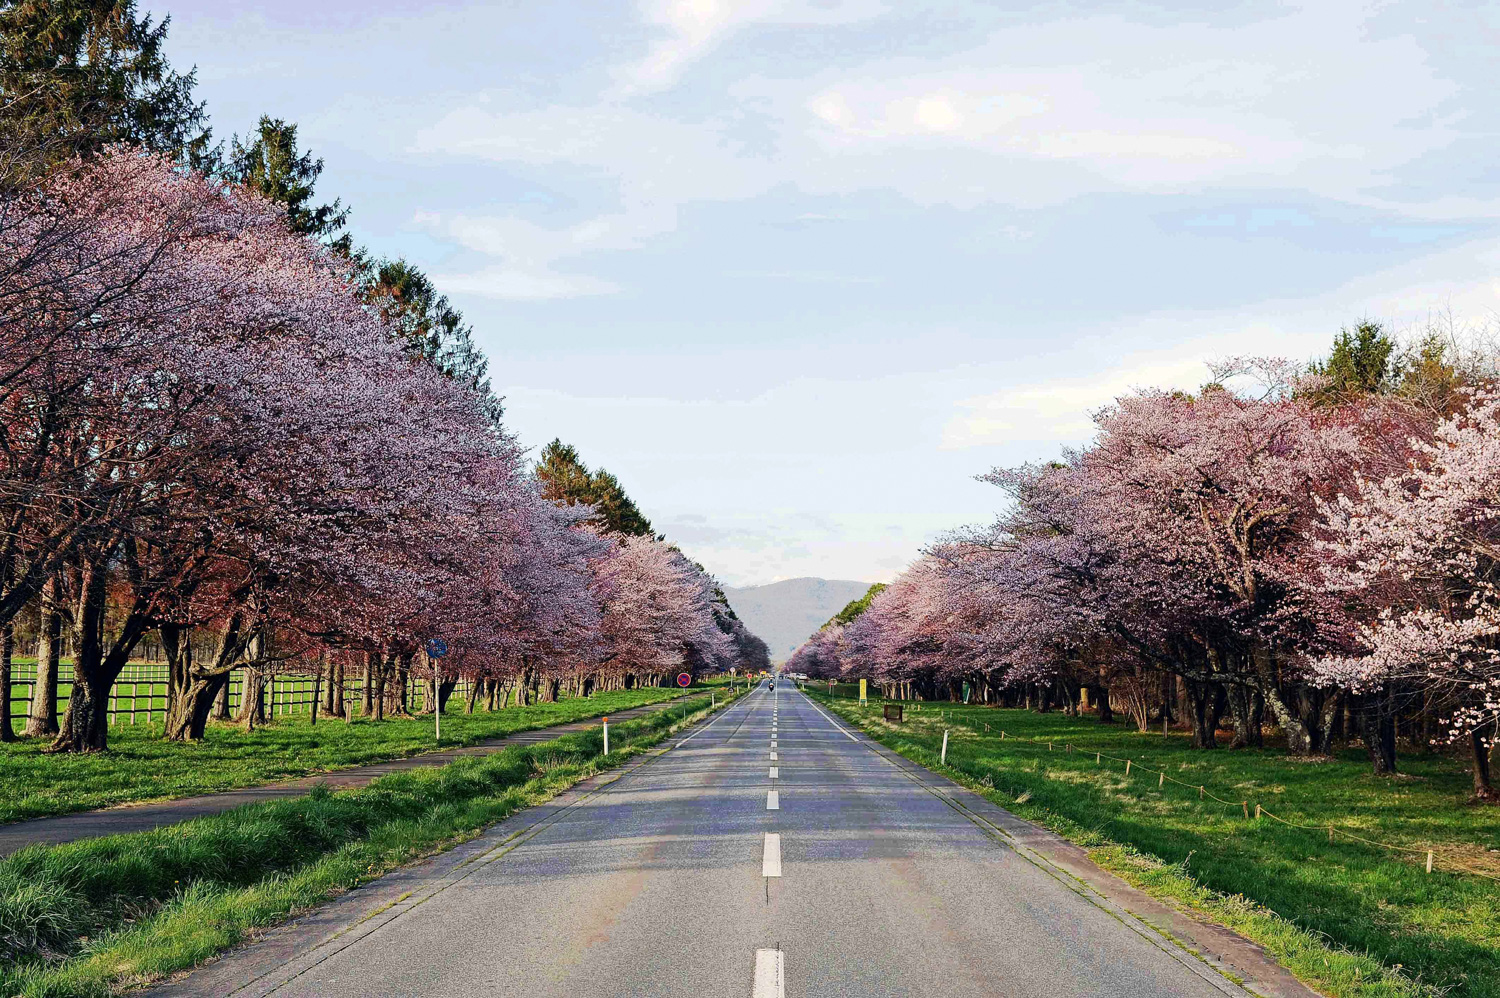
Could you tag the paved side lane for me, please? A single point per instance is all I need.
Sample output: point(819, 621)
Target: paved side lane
point(127, 818)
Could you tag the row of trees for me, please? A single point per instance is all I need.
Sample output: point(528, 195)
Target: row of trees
point(211, 433)
point(1314, 552)
point(226, 430)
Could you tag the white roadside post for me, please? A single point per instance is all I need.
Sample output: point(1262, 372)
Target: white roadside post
point(606, 736)
point(943, 759)
point(436, 649)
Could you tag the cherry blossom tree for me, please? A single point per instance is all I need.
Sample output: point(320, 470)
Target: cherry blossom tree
point(657, 610)
point(1419, 551)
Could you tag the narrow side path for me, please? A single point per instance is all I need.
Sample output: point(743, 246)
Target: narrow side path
point(144, 817)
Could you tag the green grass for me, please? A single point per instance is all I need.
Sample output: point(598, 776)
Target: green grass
point(103, 916)
point(1353, 920)
point(140, 766)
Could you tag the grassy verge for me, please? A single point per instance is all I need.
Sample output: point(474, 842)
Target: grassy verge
point(1352, 920)
point(140, 766)
point(99, 917)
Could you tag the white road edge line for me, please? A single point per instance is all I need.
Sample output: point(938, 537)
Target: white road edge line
point(830, 720)
point(770, 975)
point(700, 731)
point(773, 801)
point(770, 864)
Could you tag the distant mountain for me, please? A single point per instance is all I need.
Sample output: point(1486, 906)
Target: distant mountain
point(784, 614)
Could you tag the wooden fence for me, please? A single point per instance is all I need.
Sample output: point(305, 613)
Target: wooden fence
point(139, 696)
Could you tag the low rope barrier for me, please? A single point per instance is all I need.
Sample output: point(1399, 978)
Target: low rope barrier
point(1244, 805)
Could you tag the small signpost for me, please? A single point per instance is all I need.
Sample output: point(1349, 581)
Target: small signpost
point(863, 699)
point(684, 679)
point(436, 649)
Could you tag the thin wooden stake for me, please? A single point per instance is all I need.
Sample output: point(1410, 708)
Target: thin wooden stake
point(1161, 782)
point(1246, 805)
point(1429, 861)
point(1127, 767)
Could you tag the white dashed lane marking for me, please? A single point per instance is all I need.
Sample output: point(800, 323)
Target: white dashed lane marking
point(770, 975)
point(773, 801)
point(770, 864)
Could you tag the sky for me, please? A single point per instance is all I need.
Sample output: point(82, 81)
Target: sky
point(797, 271)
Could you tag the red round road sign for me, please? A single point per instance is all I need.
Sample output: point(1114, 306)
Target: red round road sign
point(684, 679)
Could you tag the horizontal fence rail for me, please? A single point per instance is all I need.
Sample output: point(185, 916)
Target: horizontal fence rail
point(140, 694)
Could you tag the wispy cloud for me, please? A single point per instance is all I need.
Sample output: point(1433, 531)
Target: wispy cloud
point(1060, 410)
point(691, 29)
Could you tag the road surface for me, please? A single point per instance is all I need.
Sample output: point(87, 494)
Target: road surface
point(770, 852)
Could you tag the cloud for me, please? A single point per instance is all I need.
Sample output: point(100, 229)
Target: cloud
point(523, 285)
point(1152, 106)
point(691, 29)
point(1030, 115)
point(1059, 410)
point(1459, 281)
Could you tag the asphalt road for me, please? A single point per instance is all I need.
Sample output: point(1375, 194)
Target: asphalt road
point(680, 879)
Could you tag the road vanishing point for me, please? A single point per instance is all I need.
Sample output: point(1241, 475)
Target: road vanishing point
point(768, 852)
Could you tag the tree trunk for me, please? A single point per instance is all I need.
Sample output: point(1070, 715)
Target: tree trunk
point(1298, 738)
point(372, 666)
point(382, 675)
point(1203, 712)
point(1247, 733)
point(43, 717)
point(189, 710)
point(1378, 729)
point(399, 667)
point(179, 656)
point(253, 699)
point(333, 694)
point(85, 725)
point(1101, 696)
point(1479, 748)
point(221, 702)
point(1327, 723)
point(317, 691)
point(444, 692)
point(7, 651)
